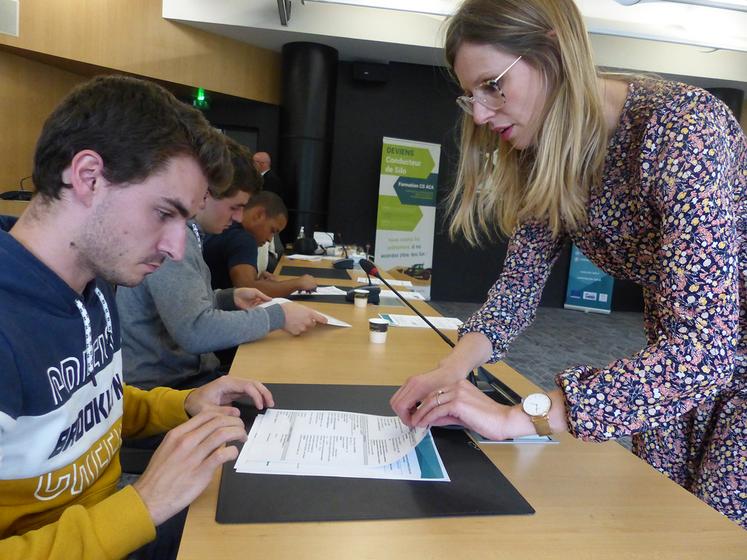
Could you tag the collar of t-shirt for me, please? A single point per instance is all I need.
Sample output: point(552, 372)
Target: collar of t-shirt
point(197, 233)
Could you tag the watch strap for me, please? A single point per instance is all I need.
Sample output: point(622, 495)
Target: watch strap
point(542, 425)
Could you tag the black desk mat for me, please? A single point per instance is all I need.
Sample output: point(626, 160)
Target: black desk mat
point(477, 487)
point(386, 301)
point(334, 273)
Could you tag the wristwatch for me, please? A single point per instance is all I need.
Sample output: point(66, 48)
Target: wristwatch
point(537, 406)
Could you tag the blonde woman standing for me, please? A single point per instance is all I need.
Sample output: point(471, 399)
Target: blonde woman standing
point(648, 179)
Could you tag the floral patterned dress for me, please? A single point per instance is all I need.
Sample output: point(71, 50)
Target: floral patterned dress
point(671, 215)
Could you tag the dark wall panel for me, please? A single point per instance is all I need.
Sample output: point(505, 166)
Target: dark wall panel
point(416, 103)
point(306, 128)
point(236, 113)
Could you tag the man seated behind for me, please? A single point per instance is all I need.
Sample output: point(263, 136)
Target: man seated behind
point(232, 255)
point(174, 321)
point(119, 167)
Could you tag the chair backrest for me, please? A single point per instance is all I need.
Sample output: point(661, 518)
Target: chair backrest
point(6, 222)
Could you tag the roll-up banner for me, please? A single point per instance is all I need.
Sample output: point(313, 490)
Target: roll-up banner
point(589, 289)
point(406, 218)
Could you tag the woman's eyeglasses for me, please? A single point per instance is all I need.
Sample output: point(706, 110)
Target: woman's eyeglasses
point(488, 94)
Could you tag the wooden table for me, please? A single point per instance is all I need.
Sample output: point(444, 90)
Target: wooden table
point(353, 274)
point(592, 500)
point(12, 207)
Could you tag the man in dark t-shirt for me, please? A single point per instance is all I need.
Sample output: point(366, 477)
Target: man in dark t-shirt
point(232, 255)
point(234, 247)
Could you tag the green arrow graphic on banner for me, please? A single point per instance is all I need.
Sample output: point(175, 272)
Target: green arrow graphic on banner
point(406, 161)
point(393, 215)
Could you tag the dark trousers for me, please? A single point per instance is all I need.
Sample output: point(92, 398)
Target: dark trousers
point(166, 544)
point(135, 456)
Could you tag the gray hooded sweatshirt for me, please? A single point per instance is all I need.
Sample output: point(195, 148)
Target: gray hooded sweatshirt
point(173, 321)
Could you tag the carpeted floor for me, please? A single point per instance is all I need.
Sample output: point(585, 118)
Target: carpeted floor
point(560, 338)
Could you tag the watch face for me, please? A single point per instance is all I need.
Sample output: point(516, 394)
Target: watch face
point(536, 404)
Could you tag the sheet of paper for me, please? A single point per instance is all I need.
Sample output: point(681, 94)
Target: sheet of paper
point(312, 258)
point(377, 282)
point(323, 437)
point(407, 295)
point(423, 463)
point(478, 438)
point(331, 321)
point(445, 323)
point(322, 291)
point(324, 238)
point(342, 444)
point(335, 322)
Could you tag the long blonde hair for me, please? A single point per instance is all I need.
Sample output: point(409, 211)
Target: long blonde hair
point(498, 186)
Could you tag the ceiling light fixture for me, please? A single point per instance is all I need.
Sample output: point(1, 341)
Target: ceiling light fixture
point(738, 5)
point(431, 7)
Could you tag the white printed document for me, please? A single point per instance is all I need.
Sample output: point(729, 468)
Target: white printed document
point(331, 321)
point(407, 295)
point(445, 323)
point(377, 282)
point(341, 444)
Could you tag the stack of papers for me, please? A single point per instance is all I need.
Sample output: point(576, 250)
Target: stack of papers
point(407, 295)
point(340, 444)
point(312, 258)
point(445, 323)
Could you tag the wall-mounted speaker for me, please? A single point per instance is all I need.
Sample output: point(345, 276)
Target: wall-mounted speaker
point(371, 72)
point(9, 17)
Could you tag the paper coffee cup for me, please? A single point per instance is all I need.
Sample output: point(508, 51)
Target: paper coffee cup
point(377, 329)
point(360, 298)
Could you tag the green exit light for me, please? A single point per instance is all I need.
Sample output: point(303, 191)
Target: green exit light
point(201, 99)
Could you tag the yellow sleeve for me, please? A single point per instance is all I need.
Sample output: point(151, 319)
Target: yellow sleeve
point(147, 413)
point(113, 528)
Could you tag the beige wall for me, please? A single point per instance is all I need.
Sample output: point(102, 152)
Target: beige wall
point(124, 35)
point(30, 91)
point(131, 36)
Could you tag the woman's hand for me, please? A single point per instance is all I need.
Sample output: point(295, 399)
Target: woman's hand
point(416, 389)
point(472, 350)
point(464, 404)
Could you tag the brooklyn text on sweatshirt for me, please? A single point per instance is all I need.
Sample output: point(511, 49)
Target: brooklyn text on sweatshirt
point(61, 388)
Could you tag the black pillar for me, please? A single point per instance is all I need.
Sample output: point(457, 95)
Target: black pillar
point(306, 129)
point(731, 96)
